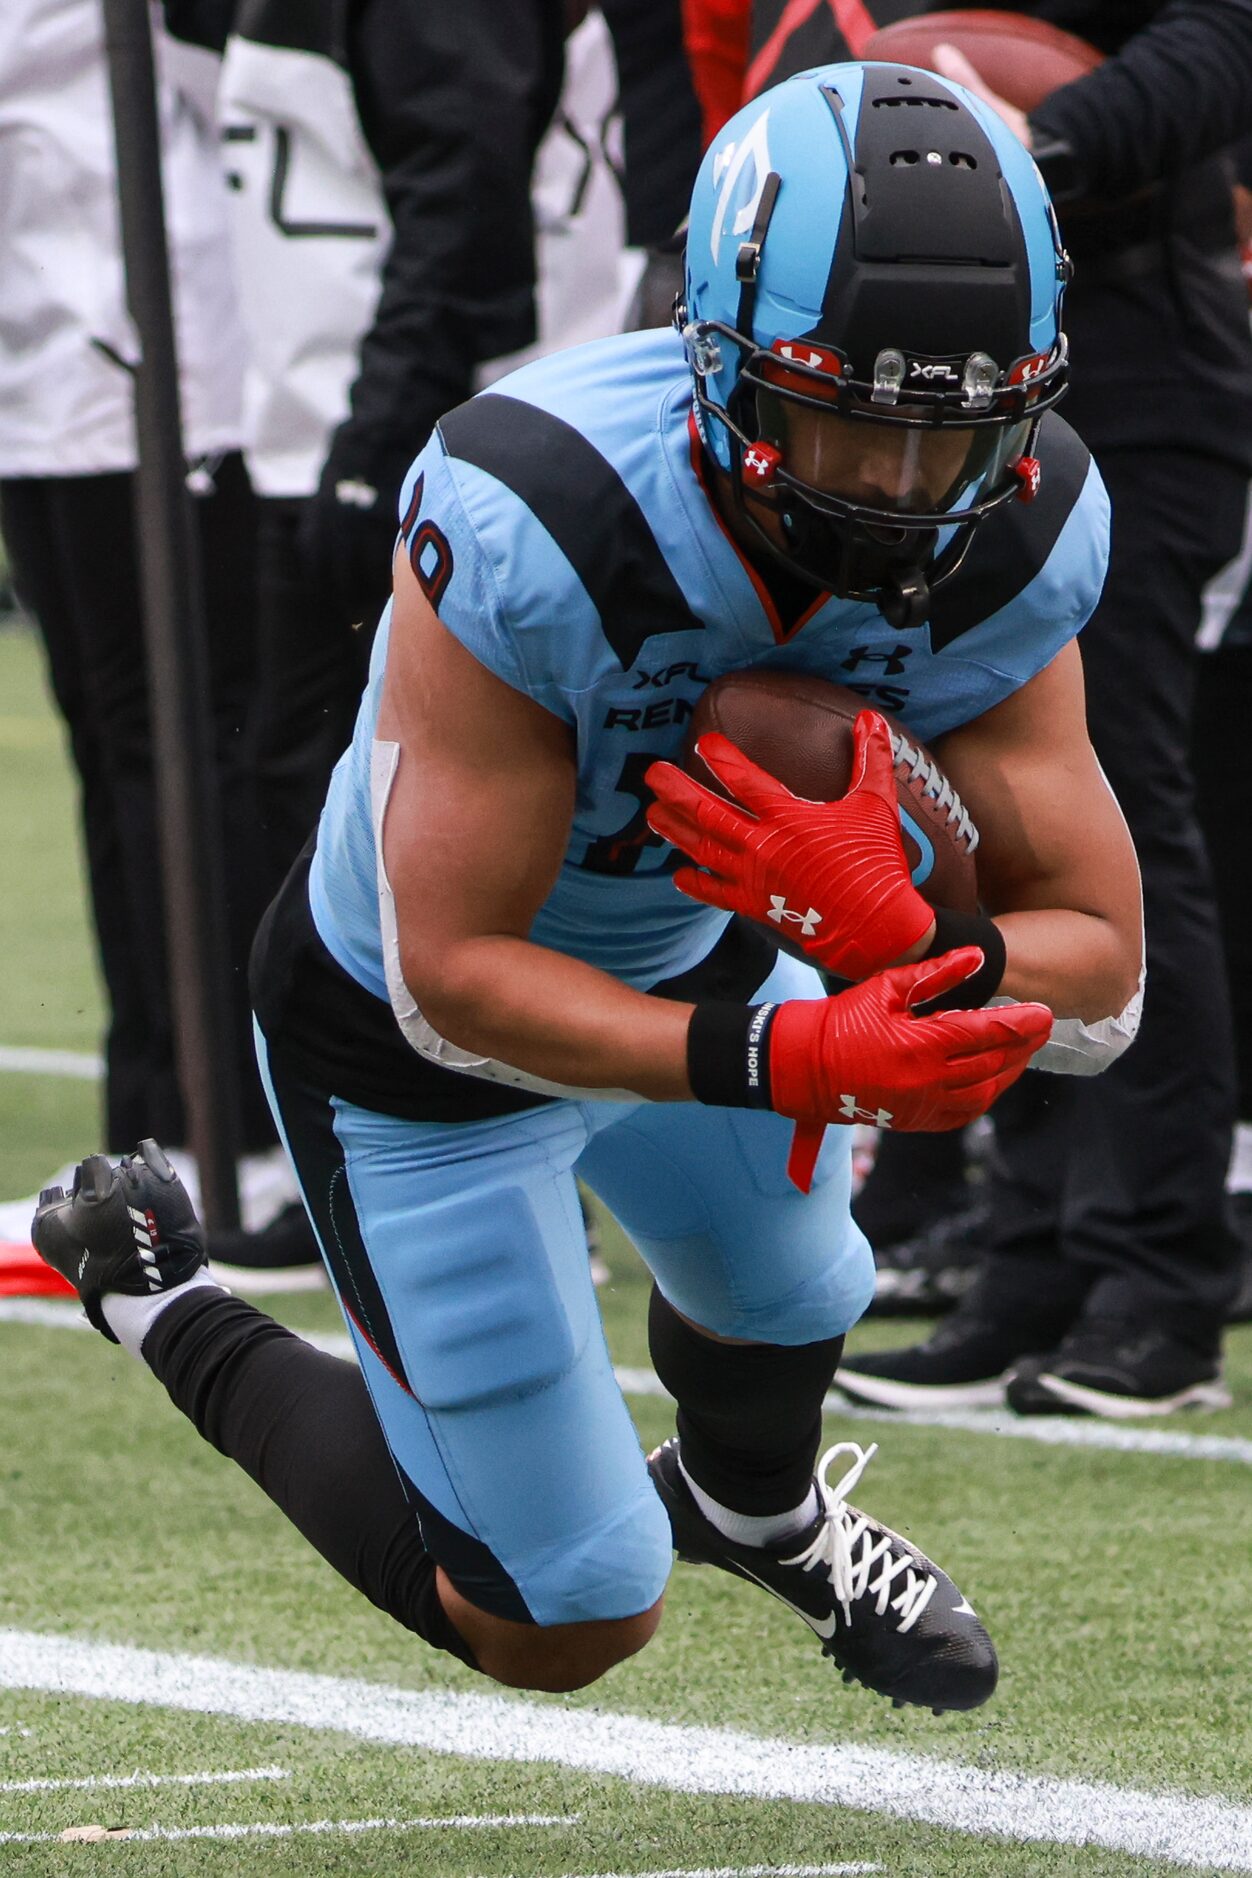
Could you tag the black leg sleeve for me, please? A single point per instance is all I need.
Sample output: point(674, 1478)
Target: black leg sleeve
point(301, 1424)
point(749, 1414)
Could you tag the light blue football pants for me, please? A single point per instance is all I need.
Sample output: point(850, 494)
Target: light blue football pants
point(459, 1255)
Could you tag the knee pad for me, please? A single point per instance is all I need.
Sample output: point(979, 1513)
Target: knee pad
point(617, 1569)
point(824, 1306)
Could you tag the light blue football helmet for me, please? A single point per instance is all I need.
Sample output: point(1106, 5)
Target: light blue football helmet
point(872, 315)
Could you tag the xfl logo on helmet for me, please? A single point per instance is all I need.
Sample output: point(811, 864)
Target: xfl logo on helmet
point(780, 911)
point(930, 371)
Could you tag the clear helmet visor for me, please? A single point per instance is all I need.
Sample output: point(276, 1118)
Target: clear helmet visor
point(874, 462)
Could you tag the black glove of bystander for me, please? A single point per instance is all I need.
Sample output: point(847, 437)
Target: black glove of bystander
point(349, 527)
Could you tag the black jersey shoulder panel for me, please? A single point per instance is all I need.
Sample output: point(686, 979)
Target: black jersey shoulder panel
point(1013, 545)
point(586, 507)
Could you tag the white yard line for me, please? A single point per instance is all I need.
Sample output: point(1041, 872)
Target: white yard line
point(91, 1781)
point(1066, 1431)
point(949, 1794)
point(81, 1065)
point(845, 1870)
point(273, 1830)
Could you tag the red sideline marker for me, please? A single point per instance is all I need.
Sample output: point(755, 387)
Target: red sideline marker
point(23, 1274)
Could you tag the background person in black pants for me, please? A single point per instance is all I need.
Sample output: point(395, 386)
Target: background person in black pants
point(1222, 715)
point(67, 461)
point(378, 157)
point(381, 157)
point(1110, 1267)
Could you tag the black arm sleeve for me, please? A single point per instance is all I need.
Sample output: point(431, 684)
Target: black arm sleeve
point(1176, 92)
point(660, 116)
point(453, 101)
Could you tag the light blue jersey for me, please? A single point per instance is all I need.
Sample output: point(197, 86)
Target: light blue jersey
point(561, 528)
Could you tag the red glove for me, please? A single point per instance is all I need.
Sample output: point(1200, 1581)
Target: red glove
point(838, 867)
point(865, 1056)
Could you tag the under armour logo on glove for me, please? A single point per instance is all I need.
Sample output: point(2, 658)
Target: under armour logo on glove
point(779, 911)
point(850, 1110)
point(923, 1073)
point(767, 848)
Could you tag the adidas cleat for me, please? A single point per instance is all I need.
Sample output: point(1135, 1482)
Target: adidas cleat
point(888, 1617)
point(129, 1228)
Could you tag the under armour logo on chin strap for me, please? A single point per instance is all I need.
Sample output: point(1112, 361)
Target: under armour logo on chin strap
point(851, 1111)
point(780, 911)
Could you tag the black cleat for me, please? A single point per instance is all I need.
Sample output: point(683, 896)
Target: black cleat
point(129, 1228)
point(888, 1616)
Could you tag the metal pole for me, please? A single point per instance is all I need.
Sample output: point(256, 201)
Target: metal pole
point(174, 635)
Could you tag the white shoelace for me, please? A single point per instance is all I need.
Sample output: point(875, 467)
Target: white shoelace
point(843, 1531)
point(938, 788)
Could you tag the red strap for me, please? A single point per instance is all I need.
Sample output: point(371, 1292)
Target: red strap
point(806, 1145)
point(852, 18)
point(855, 23)
point(760, 71)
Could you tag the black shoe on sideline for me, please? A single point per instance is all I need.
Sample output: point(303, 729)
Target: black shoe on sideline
point(1240, 1311)
point(129, 1228)
point(930, 1272)
point(889, 1617)
point(282, 1256)
point(965, 1363)
point(1120, 1368)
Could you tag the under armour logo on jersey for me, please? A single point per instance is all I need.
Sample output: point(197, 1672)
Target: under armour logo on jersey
point(780, 911)
point(851, 1111)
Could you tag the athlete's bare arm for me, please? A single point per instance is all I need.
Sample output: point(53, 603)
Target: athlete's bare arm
point(1052, 838)
point(475, 831)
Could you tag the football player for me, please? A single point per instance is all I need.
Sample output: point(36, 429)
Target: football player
point(481, 980)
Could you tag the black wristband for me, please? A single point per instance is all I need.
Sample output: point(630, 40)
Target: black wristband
point(728, 1054)
point(967, 929)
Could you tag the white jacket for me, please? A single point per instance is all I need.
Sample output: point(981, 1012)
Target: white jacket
point(66, 406)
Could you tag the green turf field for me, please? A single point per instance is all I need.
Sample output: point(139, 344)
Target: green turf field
point(158, 1618)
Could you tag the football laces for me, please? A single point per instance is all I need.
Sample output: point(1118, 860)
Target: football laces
point(936, 788)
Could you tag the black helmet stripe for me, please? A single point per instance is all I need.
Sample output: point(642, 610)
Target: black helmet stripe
point(932, 256)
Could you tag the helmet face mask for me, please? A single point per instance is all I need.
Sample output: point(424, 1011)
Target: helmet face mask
point(860, 461)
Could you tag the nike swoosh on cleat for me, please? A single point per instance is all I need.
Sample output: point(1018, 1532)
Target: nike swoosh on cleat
point(824, 1626)
point(964, 1609)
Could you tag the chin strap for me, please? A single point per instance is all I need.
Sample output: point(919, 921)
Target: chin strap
point(907, 605)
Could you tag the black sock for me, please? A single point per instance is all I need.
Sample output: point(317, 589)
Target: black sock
point(749, 1415)
point(301, 1424)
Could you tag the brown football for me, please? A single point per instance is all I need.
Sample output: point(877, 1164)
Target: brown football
point(799, 729)
point(1021, 58)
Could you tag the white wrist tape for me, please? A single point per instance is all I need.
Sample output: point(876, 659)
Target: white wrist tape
point(1076, 1048)
point(417, 1031)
